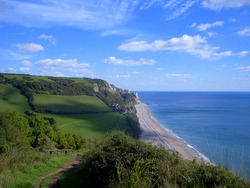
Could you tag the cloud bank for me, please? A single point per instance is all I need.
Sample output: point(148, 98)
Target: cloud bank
point(193, 45)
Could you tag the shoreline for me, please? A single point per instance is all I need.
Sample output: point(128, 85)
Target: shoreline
point(158, 134)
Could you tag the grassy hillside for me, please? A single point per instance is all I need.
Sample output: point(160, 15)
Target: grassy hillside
point(73, 104)
point(11, 99)
point(83, 104)
point(90, 125)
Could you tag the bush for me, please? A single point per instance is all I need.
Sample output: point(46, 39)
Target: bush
point(120, 161)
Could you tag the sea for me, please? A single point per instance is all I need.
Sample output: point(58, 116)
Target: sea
point(216, 124)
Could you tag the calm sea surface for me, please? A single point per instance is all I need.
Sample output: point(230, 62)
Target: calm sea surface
point(217, 124)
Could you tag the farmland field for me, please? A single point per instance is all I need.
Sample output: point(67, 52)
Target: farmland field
point(89, 125)
point(11, 99)
point(72, 104)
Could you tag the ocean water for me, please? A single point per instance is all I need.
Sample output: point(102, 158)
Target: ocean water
point(217, 124)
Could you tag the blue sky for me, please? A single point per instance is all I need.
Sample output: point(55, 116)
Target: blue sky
point(160, 45)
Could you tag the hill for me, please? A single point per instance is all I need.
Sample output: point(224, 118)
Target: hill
point(40, 113)
point(70, 101)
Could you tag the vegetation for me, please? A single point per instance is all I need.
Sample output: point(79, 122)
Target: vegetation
point(91, 125)
point(71, 96)
point(22, 168)
point(120, 161)
point(69, 104)
point(22, 138)
point(20, 132)
point(11, 99)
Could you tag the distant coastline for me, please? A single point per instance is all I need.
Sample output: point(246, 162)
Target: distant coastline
point(157, 134)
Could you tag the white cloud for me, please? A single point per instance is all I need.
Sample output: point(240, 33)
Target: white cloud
point(173, 8)
point(61, 62)
point(160, 69)
point(135, 72)
point(113, 32)
point(203, 27)
point(142, 61)
point(25, 69)
point(94, 14)
point(122, 76)
point(179, 75)
point(26, 63)
point(59, 67)
point(180, 9)
point(171, 4)
point(231, 20)
point(243, 53)
point(246, 68)
point(29, 47)
point(211, 34)
point(22, 70)
point(50, 38)
point(244, 32)
point(220, 4)
point(9, 54)
point(194, 45)
point(183, 43)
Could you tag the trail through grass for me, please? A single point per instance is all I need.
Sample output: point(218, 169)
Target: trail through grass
point(27, 174)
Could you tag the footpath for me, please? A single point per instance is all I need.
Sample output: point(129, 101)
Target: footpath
point(57, 174)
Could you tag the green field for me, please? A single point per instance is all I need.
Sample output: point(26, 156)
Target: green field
point(11, 99)
point(75, 104)
point(90, 125)
point(95, 124)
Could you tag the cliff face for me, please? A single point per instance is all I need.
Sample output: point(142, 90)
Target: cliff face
point(118, 99)
point(137, 99)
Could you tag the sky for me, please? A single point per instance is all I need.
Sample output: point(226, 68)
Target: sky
point(140, 45)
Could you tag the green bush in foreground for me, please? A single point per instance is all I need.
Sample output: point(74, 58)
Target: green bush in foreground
point(18, 132)
point(120, 161)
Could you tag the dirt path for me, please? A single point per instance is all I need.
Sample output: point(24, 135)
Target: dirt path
point(73, 163)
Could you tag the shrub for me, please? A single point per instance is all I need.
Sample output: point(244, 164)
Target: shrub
point(120, 161)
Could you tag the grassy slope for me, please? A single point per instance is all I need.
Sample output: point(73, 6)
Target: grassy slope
point(70, 103)
point(26, 175)
point(15, 101)
point(87, 125)
point(90, 125)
